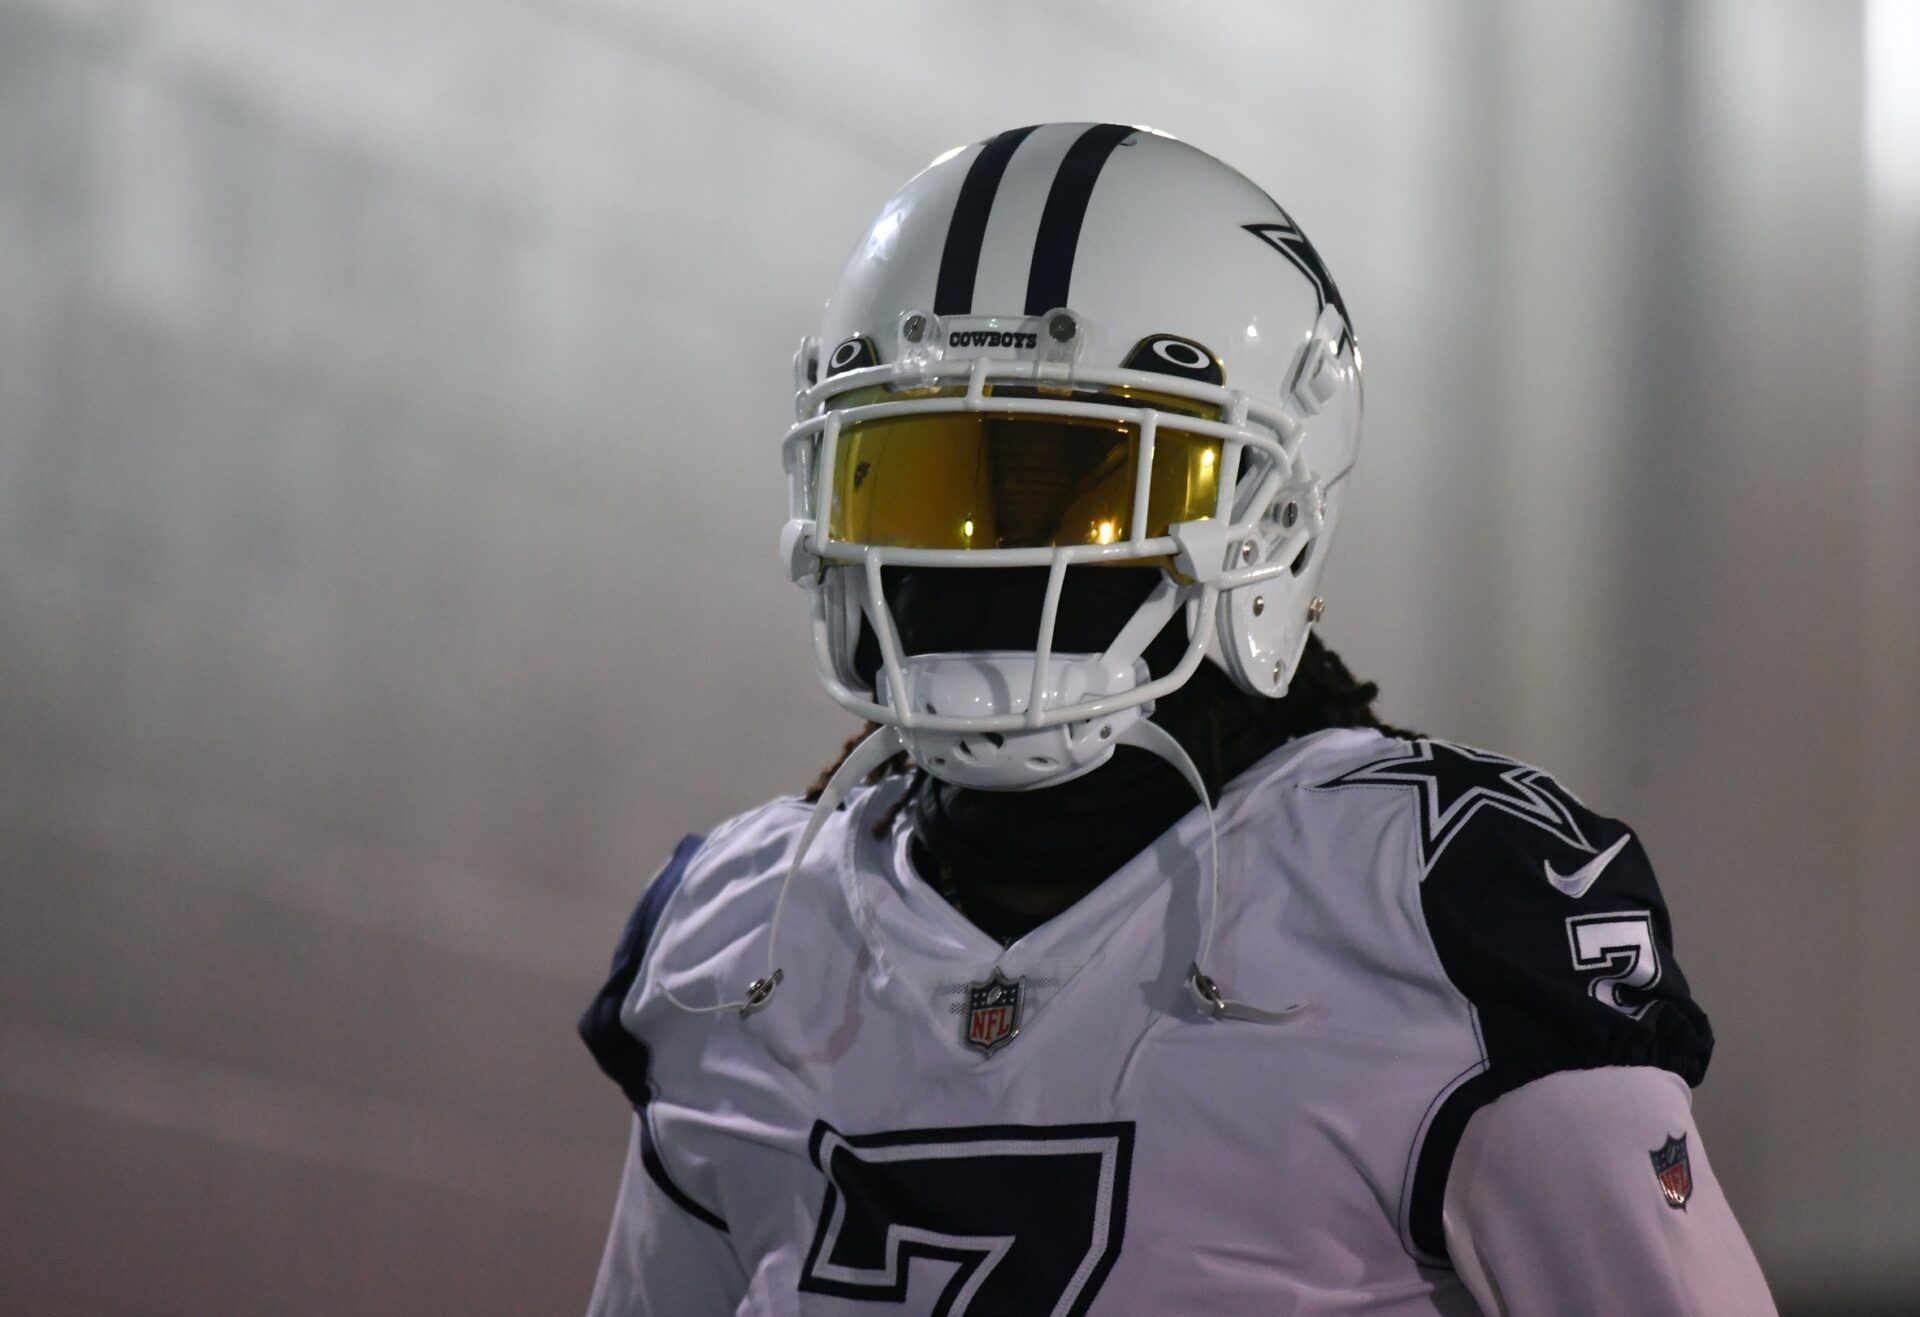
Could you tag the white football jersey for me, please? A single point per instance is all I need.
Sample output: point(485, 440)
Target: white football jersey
point(923, 1121)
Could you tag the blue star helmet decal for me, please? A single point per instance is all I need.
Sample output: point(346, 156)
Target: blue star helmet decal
point(1287, 239)
point(1455, 782)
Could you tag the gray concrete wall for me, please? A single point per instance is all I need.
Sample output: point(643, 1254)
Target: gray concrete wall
point(389, 407)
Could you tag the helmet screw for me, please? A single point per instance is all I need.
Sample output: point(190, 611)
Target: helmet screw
point(1279, 672)
point(1259, 605)
point(915, 328)
point(1289, 514)
point(1314, 609)
point(1061, 327)
point(1246, 551)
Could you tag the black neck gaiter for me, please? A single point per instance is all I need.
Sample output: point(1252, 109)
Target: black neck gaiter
point(1073, 835)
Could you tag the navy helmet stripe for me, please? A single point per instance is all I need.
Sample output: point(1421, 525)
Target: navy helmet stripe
point(967, 230)
point(624, 1057)
point(1051, 275)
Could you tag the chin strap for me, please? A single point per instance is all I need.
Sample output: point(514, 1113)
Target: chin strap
point(1206, 993)
point(883, 745)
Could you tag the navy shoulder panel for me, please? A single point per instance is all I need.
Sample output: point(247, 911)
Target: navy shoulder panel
point(1548, 918)
point(622, 1056)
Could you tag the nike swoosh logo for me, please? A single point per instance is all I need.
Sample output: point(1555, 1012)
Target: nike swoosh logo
point(1575, 884)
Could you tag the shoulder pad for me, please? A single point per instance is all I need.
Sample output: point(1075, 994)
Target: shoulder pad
point(1548, 919)
point(1461, 797)
point(617, 1052)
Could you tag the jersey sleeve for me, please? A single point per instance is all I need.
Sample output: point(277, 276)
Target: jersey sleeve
point(666, 1252)
point(1548, 918)
point(1588, 1193)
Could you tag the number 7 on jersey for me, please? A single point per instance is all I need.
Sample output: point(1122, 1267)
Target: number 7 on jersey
point(1031, 1216)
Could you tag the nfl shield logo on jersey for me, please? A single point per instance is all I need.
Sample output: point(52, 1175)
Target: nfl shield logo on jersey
point(993, 1013)
point(1670, 1167)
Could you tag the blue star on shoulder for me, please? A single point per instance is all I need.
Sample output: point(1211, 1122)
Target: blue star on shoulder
point(1454, 782)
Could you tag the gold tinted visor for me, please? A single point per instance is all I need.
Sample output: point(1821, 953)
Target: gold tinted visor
point(969, 480)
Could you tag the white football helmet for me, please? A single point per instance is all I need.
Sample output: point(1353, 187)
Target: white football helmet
point(1070, 344)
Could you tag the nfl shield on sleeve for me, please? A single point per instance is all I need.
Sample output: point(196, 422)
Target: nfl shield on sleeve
point(1587, 1194)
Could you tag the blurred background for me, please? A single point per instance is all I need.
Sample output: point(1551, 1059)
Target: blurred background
point(390, 397)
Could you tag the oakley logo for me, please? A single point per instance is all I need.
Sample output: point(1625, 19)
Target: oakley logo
point(992, 338)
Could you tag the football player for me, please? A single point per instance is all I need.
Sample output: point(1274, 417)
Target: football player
point(1128, 964)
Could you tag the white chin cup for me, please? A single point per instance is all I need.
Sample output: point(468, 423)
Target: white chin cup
point(987, 685)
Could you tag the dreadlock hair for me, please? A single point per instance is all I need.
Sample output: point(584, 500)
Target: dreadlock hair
point(1324, 693)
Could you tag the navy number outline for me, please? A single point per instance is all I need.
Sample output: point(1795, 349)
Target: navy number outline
point(1033, 1214)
